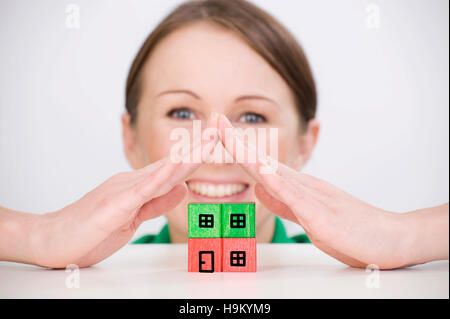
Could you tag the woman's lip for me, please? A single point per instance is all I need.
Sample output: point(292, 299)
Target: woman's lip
point(209, 181)
point(233, 198)
point(202, 189)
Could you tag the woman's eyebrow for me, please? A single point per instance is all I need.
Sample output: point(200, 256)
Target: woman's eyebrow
point(255, 97)
point(239, 99)
point(179, 92)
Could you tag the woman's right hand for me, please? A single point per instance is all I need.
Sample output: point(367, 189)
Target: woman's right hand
point(105, 219)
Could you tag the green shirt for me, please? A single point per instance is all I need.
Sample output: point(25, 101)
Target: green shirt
point(279, 236)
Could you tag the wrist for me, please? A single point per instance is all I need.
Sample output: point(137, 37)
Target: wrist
point(398, 244)
point(408, 230)
point(43, 230)
point(426, 235)
point(16, 231)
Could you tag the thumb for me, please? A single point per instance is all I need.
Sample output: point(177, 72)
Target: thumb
point(159, 205)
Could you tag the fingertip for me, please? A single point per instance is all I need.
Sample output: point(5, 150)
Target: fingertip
point(222, 124)
point(213, 117)
point(224, 121)
point(213, 122)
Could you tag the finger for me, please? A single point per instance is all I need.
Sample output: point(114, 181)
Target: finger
point(301, 182)
point(188, 155)
point(210, 135)
point(157, 181)
point(184, 157)
point(253, 162)
point(181, 170)
point(246, 153)
point(151, 182)
point(274, 205)
point(242, 153)
point(258, 165)
point(151, 167)
point(159, 205)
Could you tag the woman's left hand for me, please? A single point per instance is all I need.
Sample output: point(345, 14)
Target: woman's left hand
point(339, 224)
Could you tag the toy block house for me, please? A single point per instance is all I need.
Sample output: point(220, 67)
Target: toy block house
point(221, 237)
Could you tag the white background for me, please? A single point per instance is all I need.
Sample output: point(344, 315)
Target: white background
point(383, 96)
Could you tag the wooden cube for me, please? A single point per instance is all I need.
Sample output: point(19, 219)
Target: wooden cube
point(239, 255)
point(205, 255)
point(221, 237)
point(238, 220)
point(204, 220)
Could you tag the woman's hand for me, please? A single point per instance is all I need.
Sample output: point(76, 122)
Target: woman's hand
point(105, 219)
point(342, 226)
point(101, 222)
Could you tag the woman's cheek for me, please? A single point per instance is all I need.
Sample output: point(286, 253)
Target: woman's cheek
point(157, 142)
point(288, 147)
point(282, 150)
point(277, 144)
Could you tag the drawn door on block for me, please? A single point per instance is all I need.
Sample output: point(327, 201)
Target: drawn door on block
point(206, 261)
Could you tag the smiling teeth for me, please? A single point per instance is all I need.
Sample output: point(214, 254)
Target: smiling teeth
point(216, 190)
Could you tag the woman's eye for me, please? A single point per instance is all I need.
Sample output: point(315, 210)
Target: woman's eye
point(252, 118)
point(181, 114)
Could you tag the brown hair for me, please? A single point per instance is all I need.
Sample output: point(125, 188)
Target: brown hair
point(259, 30)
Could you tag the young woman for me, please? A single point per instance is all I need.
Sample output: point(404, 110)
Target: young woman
point(228, 64)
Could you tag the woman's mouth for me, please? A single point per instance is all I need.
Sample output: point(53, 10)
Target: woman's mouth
point(216, 190)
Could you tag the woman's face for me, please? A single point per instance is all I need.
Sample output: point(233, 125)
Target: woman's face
point(203, 68)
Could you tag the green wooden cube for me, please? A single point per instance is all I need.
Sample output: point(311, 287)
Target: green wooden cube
point(238, 220)
point(204, 220)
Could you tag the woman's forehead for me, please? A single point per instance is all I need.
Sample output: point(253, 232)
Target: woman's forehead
point(210, 59)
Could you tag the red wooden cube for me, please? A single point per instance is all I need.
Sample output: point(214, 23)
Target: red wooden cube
point(205, 255)
point(239, 255)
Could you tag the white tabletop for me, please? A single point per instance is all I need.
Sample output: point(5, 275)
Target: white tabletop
point(284, 271)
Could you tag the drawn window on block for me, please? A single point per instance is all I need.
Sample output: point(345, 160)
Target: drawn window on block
point(206, 261)
point(206, 220)
point(237, 220)
point(237, 258)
